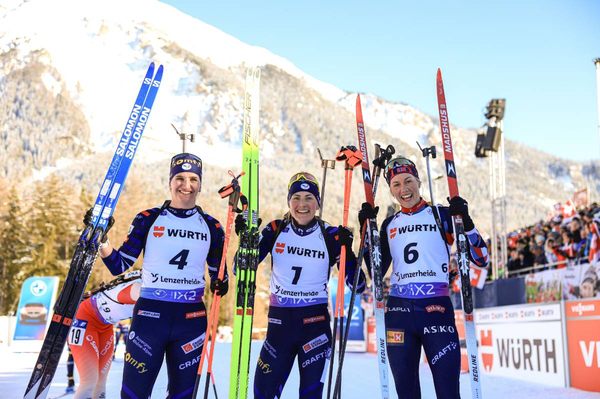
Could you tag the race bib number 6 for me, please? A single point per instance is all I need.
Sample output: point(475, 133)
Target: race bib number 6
point(77, 332)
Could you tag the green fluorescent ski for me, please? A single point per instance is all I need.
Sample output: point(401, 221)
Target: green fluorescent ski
point(247, 258)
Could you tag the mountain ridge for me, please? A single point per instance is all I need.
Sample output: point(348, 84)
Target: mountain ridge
point(83, 68)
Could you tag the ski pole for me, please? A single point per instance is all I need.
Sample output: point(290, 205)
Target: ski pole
point(372, 235)
point(382, 157)
point(325, 164)
point(426, 152)
point(461, 243)
point(351, 158)
point(212, 377)
point(231, 191)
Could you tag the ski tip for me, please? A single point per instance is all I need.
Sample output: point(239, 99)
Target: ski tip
point(439, 73)
point(358, 98)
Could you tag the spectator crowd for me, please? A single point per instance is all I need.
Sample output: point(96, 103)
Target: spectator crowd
point(555, 243)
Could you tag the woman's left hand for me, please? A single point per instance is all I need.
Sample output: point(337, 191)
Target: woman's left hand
point(346, 237)
point(460, 206)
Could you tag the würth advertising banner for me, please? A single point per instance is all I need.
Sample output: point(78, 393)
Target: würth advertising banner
point(523, 342)
point(583, 332)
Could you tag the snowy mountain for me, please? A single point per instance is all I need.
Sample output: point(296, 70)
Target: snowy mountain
point(69, 71)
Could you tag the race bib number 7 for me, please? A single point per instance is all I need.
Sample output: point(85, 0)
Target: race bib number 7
point(77, 332)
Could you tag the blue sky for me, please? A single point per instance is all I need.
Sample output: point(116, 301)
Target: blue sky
point(536, 54)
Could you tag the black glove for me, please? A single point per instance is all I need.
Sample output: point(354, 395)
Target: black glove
point(111, 221)
point(345, 237)
point(240, 224)
point(87, 218)
point(366, 212)
point(219, 287)
point(459, 206)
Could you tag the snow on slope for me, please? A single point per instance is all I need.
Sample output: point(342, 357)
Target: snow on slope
point(102, 49)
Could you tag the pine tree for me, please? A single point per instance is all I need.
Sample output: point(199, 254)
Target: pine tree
point(56, 222)
point(16, 257)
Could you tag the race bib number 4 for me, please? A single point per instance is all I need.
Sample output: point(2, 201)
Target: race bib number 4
point(77, 332)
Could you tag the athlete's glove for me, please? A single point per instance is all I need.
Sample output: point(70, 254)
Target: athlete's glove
point(366, 212)
point(345, 237)
point(87, 219)
point(459, 206)
point(219, 287)
point(240, 224)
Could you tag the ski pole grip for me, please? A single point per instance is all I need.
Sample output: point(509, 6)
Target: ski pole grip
point(351, 155)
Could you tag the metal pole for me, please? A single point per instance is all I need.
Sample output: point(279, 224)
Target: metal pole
point(494, 241)
point(426, 152)
point(184, 138)
point(325, 164)
point(503, 194)
point(597, 63)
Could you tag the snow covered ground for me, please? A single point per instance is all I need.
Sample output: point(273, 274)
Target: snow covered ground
point(361, 379)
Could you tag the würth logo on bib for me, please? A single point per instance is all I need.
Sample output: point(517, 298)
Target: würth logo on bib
point(194, 235)
point(279, 247)
point(159, 231)
point(393, 232)
point(310, 253)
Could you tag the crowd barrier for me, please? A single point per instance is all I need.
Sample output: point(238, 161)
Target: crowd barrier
point(550, 343)
point(569, 283)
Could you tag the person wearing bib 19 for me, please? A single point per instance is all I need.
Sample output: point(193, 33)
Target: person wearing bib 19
point(91, 338)
point(417, 242)
point(303, 250)
point(169, 319)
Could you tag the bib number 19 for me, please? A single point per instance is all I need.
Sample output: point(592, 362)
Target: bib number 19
point(77, 332)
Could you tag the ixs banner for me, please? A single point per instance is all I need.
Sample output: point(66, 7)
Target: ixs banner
point(35, 306)
point(523, 342)
point(583, 335)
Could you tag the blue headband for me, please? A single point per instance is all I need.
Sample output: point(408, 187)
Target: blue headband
point(397, 169)
point(185, 163)
point(306, 186)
